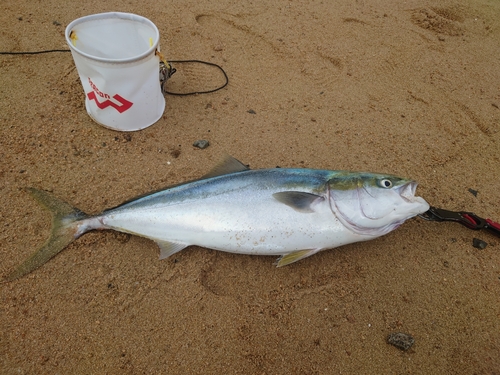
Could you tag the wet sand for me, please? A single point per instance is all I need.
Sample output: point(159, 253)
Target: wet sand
point(408, 88)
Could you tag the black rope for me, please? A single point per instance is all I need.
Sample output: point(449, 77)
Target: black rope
point(162, 83)
point(35, 52)
point(196, 92)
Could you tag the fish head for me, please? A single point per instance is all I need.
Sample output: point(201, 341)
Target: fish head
point(373, 204)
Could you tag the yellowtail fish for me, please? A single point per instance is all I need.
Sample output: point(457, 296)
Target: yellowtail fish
point(291, 213)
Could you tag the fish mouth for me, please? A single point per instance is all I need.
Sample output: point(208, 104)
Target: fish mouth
point(407, 191)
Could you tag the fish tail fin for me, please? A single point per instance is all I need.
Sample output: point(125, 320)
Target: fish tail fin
point(65, 229)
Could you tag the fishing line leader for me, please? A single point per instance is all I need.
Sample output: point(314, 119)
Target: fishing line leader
point(467, 219)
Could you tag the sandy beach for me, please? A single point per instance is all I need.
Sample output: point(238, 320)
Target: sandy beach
point(408, 88)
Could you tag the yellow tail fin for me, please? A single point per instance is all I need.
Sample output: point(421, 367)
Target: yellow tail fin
point(64, 231)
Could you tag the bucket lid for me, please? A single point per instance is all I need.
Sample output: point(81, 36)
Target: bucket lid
point(113, 37)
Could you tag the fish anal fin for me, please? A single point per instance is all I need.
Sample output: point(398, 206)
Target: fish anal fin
point(294, 256)
point(298, 200)
point(169, 248)
point(226, 166)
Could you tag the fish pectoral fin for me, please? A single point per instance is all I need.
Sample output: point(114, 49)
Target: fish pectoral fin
point(169, 248)
point(298, 200)
point(295, 256)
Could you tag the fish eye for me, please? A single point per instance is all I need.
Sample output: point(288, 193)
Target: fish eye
point(385, 183)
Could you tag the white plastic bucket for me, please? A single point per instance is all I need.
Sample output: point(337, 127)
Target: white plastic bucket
point(114, 54)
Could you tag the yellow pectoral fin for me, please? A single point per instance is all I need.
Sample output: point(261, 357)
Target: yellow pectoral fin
point(289, 258)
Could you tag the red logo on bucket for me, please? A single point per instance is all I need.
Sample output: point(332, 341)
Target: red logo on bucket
point(123, 105)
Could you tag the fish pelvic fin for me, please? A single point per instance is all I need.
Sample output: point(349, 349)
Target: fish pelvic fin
point(168, 249)
point(295, 256)
point(65, 229)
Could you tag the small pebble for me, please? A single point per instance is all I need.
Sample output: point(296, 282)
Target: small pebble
point(252, 112)
point(201, 143)
point(401, 340)
point(473, 192)
point(479, 244)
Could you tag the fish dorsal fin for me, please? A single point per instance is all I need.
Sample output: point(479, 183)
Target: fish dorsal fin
point(226, 166)
point(295, 256)
point(169, 248)
point(298, 200)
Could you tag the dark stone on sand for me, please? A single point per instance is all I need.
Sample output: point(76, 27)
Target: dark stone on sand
point(252, 112)
point(479, 244)
point(401, 340)
point(201, 143)
point(473, 192)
